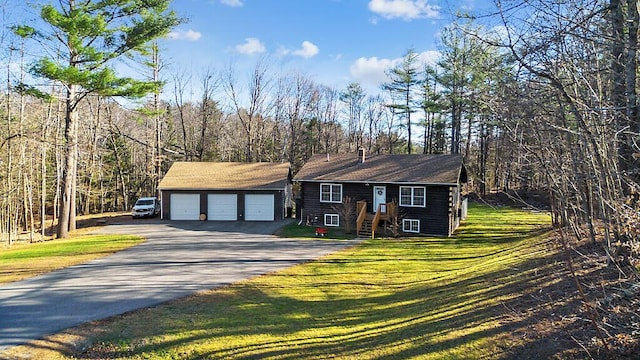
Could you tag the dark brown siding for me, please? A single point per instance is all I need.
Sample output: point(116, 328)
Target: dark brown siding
point(313, 210)
point(434, 218)
point(278, 200)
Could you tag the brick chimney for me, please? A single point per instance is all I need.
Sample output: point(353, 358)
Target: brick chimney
point(361, 156)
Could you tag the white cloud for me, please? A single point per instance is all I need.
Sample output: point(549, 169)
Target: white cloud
point(189, 35)
point(373, 71)
point(251, 46)
point(232, 3)
point(429, 57)
point(283, 51)
point(499, 33)
point(308, 50)
point(404, 9)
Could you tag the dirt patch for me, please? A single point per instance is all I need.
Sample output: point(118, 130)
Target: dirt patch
point(90, 221)
point(554, 321)
point(517, 199)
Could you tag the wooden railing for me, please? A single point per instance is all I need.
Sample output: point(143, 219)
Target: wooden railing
point(392, 210)
point(361, 208)
point(375, 221)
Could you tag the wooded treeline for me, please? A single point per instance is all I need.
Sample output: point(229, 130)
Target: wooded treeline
point(539, 97)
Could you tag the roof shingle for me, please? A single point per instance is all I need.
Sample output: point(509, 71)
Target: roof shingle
point(417, 169)
point(225, 176)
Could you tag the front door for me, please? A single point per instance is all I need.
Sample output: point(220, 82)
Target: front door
point(380, 198)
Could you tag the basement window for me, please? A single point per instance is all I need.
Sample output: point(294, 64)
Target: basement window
point(411, 225)
point(331, 220)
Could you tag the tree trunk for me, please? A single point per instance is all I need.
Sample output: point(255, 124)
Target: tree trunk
point(483, 158)
point(9, 182)
point(23, 149)
point(43, 184)
point(74, 180)
point(631, 71)
point(408, 105)
point(618, 87)
point(92, 162)
point(455, 126)
point(156, 157)
point(70, 148)
point(30, 213)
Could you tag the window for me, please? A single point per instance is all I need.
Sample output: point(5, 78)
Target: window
point(414, 196)
point(331, 193)
point(411, 225)
point(331, 220)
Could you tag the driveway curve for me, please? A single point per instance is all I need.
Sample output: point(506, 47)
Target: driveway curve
point(178, 259)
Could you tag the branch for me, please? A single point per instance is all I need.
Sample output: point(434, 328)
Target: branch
point(147, 145)
point(8, 139)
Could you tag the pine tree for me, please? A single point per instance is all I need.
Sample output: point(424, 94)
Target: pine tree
point(353, 98)
point(88, 36)
point(403, 79)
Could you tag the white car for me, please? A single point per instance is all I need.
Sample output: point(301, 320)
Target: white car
point(146, 207)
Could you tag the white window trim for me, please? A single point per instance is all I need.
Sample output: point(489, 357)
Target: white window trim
point(329, 216)
point(424, 197)
point(410, 221)
point(332, 201)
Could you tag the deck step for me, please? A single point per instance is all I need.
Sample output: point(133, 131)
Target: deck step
point(365, 231)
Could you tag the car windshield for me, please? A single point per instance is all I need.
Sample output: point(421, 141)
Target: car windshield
point(144, 202)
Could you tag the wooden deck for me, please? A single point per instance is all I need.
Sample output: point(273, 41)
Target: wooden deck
point(368, 224)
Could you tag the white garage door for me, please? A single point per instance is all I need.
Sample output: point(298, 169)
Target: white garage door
point(259, 207)
point(222, 207)
point(185, 206)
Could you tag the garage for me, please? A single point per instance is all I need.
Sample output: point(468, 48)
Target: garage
point(222, 207)
point(185, 206)
point(259, 207)
point(226, 191)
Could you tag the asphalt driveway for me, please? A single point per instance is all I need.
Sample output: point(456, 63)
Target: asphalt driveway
point(178, 259)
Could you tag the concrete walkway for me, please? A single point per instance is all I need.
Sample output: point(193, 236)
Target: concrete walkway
point(178, 259)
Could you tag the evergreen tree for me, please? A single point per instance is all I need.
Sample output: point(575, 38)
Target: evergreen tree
point(88, 36)
point(353, 97)
point(455, 78)
point(403, 79)
point(431, 106)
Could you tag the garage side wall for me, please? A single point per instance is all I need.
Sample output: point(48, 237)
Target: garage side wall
point(279, 201)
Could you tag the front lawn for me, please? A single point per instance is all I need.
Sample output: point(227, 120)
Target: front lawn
point(293, 230)
point(429, 298)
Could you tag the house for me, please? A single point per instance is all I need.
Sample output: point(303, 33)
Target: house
point(414, 194)
point(228, 191)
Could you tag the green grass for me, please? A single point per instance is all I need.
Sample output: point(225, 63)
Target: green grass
point(293, 230)
point(22, 261)
point(428, 298)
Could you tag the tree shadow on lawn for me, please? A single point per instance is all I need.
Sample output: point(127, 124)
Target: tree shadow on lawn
point(474, 316)
point(526, 308)
point(443, 319)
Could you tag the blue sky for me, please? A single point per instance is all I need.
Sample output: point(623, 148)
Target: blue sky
point(333, 42)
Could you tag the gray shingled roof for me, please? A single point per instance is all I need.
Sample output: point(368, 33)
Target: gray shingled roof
point(225, 176)
point(418, 169)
